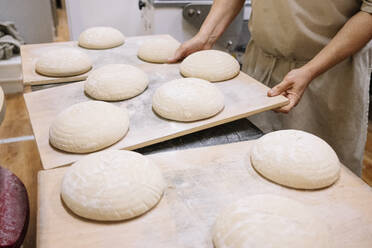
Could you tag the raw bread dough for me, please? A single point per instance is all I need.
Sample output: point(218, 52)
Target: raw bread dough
point(187, 99)
point(269, 221)
point(158, 50)
point(112, 185)
point(295, 159)
point(88, 126)
point(62, 62)
point(211, 65)
point(101, 38)
point(116, 82)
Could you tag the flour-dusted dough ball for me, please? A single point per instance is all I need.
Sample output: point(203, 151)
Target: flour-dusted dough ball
point(269, 221)
point(211, 65)
point(112, 185)
point(63, 62)
point(88, 126)
point(295, 159)
point(116, 82)
point(101, 38)
point(187, 99)
point(158, 50)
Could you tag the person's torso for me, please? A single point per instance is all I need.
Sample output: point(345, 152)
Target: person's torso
point(298, 29)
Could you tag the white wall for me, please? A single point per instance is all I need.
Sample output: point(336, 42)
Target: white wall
point(121, 14)
point(33, 18)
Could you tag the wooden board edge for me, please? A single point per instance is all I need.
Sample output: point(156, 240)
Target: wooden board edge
point(40, 191)
point(46, 165)
point(26, 46)
point(204, 127)
point(42, 173)
point(58, 81)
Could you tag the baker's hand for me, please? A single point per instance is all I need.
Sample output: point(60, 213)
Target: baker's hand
point(293, 87)
point(195, 44)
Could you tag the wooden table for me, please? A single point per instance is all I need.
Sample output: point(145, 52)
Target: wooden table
point(201, 182)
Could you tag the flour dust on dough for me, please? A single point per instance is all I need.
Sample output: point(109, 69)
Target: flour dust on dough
point(88, 126)
point(187, 99)
point(211, 65)
point(116, 82)
point(63, 62)
point(158, 50)
point(112, 185)
point(295, 159)
point(269, 221)
point(101, 38)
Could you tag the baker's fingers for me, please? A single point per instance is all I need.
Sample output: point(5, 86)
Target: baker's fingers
point(280, 88)
point(178, 55)
point(293, 100)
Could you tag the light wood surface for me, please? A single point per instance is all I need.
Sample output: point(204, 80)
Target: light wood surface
point(244, 96)
point(16, 121)
point(200, 183)
point(126, 53)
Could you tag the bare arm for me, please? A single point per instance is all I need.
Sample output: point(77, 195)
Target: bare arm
point(222, 13)
point(354, 35)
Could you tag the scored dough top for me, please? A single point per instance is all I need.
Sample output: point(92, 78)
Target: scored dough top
point(112, 185)
point(269, 221)
point(115, 82)
point(101, 38)
point(66, 61)
point(295, 159)
point(211, 65)
point(88, 126)
point(158, 50)
point(188, 99)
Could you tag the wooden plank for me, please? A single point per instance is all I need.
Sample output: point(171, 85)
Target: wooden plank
point(201, 182)
point(244, 96)
point(127, 53)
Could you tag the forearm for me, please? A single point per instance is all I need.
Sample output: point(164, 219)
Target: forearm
point(222, 13)
point(355, 34)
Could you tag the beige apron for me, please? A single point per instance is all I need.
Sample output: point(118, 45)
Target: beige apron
point(287, 34)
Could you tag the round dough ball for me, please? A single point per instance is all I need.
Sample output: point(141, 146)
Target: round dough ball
point(158, 50)
point(63, 62)
point(295, 159)
point(116, 82)
point(101, 38)
point(269, 221)
point(187, 99)
point(211, 65)
point(112, 185)
point(88, 126)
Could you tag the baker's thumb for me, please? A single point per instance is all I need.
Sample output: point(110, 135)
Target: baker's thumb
point(279, 88)
point(178, 55)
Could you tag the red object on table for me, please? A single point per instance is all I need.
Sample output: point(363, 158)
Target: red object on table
point(14, 210)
